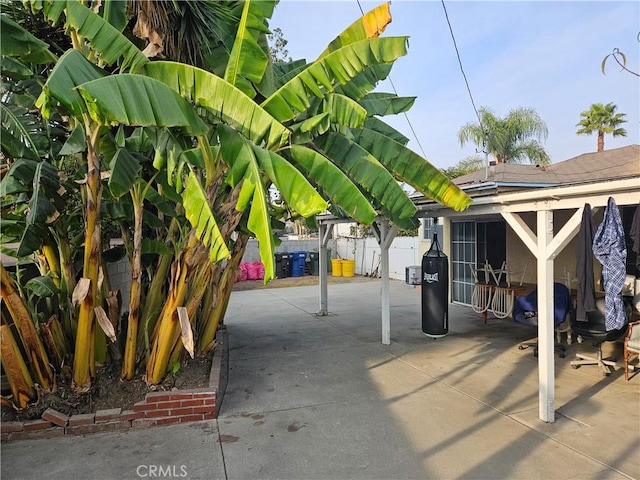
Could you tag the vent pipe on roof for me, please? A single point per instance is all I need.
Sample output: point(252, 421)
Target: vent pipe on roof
point(484, 149)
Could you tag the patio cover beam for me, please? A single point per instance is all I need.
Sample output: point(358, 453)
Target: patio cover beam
point(625, 191)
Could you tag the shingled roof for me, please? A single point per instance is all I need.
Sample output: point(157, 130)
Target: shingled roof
point(614, 164)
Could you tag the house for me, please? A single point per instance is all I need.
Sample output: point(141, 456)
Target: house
point(528, 216)
point(489, 229)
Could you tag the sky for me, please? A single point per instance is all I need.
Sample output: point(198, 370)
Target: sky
point(544, 55)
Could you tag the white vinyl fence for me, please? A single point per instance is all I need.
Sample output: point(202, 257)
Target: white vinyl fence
point(403, 253)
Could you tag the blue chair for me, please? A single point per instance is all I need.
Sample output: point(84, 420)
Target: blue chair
point(525, 311)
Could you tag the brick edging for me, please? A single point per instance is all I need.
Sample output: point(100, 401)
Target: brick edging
point(157, 408)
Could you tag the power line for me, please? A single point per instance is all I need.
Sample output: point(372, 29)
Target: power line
point(485, 134)
point(424, 155)
point(455, 45)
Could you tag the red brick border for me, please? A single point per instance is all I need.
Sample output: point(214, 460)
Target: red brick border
point(158, 408)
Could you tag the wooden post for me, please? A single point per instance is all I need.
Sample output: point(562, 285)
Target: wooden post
point(546, 367)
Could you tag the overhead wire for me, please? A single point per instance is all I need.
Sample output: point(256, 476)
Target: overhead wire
point(424, 155)
point(485, 134)
point(464, 75)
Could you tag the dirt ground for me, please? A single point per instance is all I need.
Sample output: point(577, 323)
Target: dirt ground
point(109, 391)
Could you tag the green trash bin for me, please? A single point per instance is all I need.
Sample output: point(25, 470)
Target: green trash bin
point(314, 258)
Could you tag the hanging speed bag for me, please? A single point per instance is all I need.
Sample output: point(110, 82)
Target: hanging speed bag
point(435, 298)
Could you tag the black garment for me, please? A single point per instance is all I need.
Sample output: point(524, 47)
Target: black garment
point(586, 301)
point(634, 233)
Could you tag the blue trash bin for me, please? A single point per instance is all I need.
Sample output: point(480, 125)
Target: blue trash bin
point(298, 261)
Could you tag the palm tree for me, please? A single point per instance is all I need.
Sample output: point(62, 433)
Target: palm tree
point(513, 139)
point(602, 119)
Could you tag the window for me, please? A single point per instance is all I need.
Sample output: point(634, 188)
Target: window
point(463, 245)
point(427, 228)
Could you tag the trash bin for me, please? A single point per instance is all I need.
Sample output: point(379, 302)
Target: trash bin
point(348, 268)
point(298, 260)
point(336, 267)
point(314, 263)
point(282, 264)
point(435, 298)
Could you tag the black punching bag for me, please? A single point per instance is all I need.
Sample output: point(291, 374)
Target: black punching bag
point(435, 297)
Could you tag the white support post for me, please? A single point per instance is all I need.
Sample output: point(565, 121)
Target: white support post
point(546, 367)
point(386, 236)
point(324, 233)
point(384, 255)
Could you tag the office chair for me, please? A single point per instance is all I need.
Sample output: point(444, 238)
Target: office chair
point(594, 329)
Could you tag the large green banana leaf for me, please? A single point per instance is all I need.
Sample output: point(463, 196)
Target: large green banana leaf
point(200, 215)
point(115, 12)
point(19, 177)
point(315, 125)
point(18, 42)
point(364, 82)
point(412, 169)
point(15, 132)
point(296, 190)
point(345, 111)
point(111, 45)
point(374, 123)
point(335, 183)
point(379, 103)
point(124, 171)
point(284, 72)
point(71, 70)
point(223, 100)
point(332, 109)
point(41, 209)
point(136, 100)
point(370, 174)
point(248, 61)
point(337, 68)
point(267, 85)
point(76, 142)
point(239, 154)
point(36, 184)
point(14, 69)
point(52, 9)
point(370, 25)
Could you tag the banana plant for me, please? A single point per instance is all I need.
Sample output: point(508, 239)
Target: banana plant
point(254, 125)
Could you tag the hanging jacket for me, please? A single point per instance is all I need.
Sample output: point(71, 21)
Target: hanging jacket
point(586, 301)
point(610, 249)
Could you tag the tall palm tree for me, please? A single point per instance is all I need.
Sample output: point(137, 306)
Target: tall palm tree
point(513, 139)
point(602, 119)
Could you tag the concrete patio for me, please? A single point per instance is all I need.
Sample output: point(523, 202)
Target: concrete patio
point(463, 406)
point(321, 397)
